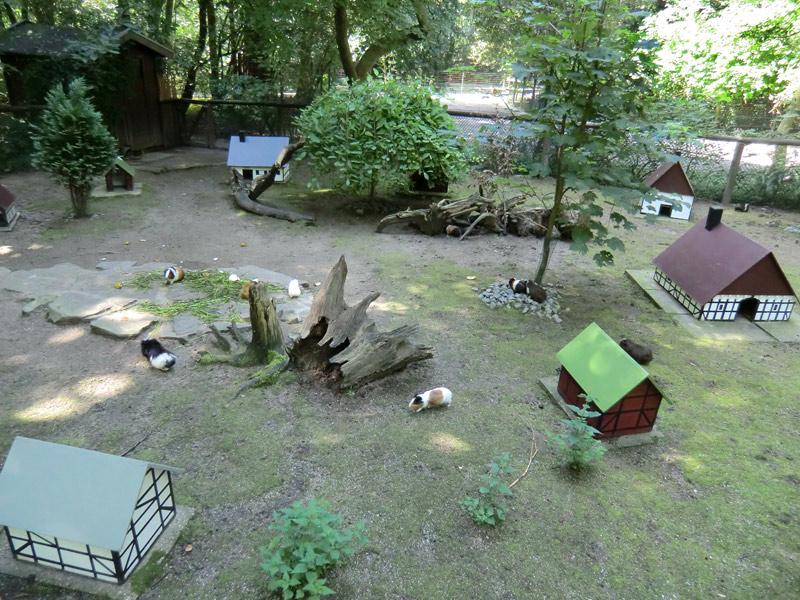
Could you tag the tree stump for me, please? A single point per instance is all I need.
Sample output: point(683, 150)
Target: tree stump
point(343, 344)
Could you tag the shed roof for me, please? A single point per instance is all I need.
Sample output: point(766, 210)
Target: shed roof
point(35, 39)
point(670, 178)
point(72, 493)
point(127, 167)
point(256, 151)
point(708, 263)
point(6, 197)
point(601, 367)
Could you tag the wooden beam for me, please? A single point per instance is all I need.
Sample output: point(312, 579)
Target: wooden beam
point(734, 170)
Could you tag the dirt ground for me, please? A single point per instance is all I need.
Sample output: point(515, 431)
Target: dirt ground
point(63, 383)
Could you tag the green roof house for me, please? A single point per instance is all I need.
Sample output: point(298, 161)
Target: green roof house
point(624, 393)
point(82, 511)
point(120, 175)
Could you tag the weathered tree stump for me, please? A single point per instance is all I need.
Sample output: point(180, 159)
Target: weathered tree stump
point(343, 344)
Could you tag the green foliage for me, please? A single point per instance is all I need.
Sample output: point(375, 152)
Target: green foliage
point(380, 132)
point(146, 574)
point(311, 541)
point(15, 144)
point(578, 446)
point(72, 143)
point(490, 507)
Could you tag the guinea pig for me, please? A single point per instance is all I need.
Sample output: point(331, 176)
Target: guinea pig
point(453, 230)
point(641, 354)
point(294, 288)
point(245, 293)
point(440, 396)
point(159, 357)
point(520, 286)
point(173, 274)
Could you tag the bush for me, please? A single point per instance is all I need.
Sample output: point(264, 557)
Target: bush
point(380, 132)
point(578, 446)
point(72, 143)
point(15, 144)
point(310, 543)
point(490, 507)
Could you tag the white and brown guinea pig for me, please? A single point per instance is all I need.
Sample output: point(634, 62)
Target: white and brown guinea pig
point(520, 286)
point(439, 396)
point(173, 274)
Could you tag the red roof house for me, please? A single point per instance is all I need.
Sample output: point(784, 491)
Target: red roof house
point(8, 209)
point(675, 195)
point(718, 274)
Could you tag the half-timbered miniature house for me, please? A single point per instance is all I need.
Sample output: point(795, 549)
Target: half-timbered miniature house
point(717, 274)
point(120, 175)
point(82, 511)
point(9, 213)
point(622, 392)
point(674, 193)
point(254, 155)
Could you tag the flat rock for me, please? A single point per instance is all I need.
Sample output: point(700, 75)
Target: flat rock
point(78, 306)
point(265, 275)
point(115, 265)
point(38, 302)
point(123, 324)
point(186, 325)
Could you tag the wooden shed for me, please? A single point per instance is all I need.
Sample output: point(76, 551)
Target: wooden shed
point(624, 394)
point(254, 155)
point(120, 175)
point(82, 511)
point(35, 56)
point(9, 213)
point(718, 274)
point(674, 195)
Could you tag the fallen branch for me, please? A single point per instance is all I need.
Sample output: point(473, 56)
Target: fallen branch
point(221, 341)
point(265, 181)
point(136, 445)
point(534, 451)
point(261, 377)
point(244, 202)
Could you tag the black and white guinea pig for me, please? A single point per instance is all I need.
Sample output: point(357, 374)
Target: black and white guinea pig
point(159, 357)
point(520, 286)
point(439, 396)
point(173, 274)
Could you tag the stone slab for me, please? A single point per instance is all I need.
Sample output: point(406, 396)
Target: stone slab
point(738, 329)
point(17, 568)
point(186, 325)
point(115, 265)
point(36, 303)
point(783, 331)
point(100, 191)
point(550, 385)
point(265, 275)
point(78, 306)
point(123, 325)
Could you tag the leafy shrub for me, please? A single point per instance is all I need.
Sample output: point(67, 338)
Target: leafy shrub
point(15, 144)
point(380, 132)
point(72, 143)
point(311, 541)
point(578, 446)
point(490, 507)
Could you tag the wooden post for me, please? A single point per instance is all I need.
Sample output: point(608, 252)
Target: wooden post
point(211, 135)
point(737, 158)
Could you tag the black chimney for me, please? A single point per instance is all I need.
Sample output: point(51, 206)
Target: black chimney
point(241, 137)
point(714, 217)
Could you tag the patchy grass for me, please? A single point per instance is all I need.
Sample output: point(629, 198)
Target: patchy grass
point(216, 287)
point(146, 574)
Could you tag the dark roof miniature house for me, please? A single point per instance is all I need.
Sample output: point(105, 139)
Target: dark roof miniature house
point(9, 213)
point(717, 274)
point(254, 155)
point(82, 511)
point(120, 175)
point(623, 392)
point(675, 195)
point(32, 53)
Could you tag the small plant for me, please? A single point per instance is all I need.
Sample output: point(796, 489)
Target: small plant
point(311, 541)
point(490, 507)
point(578, 445)
point(72, 143)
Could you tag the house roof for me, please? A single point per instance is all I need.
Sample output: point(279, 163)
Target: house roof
point(601, 367)
point(6, 197)
point(71, 493)
point(130, 170)
point(256, 152)
point(670, 178)
point(35, 39)
point(721, 261)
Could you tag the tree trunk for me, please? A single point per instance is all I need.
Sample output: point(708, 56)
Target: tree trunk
point(213, 43)
point(12, 18)
point(734, 170)
point(267, 334)
point(554, 212)
point(79, 195)
point(343, 39)
point(167, 26)
point(197, 57)
point(344, 345)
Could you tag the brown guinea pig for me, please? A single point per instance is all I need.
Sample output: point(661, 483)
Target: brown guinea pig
point(641, 354)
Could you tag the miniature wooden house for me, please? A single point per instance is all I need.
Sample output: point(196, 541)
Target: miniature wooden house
point(674, 196)
point(254, 155)
point(120, 175)
point(9, 212)
point(622, 391)
point(82, 511)
point(717, 274)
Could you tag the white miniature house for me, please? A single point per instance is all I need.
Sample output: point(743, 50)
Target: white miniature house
point(82, 511)
point(253, 156)
point(674, 196)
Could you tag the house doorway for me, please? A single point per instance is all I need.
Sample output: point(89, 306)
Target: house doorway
point(665, 210)
point(748, 308)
